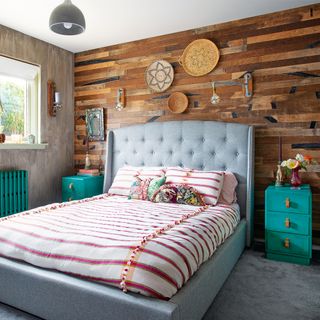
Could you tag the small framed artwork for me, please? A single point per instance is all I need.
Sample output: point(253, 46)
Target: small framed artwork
point(95, 124)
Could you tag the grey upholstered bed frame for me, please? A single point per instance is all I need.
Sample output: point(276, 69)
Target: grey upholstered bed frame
point(196, 144)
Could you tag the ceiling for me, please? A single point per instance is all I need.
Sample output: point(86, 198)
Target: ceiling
point(116, 21)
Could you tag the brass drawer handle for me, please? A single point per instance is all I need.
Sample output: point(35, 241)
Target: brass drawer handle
point(70, 199)
point(287, 223)
point(286, 243)
point(70, 186)
point(287, 203)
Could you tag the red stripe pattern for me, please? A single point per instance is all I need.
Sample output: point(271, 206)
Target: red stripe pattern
point(208, 183)
point(126, 175)
point(140, 246)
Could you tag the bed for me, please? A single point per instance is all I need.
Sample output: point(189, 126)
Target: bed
point(201, 145)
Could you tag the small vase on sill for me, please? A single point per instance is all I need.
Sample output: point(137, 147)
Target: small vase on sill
point(295, 178)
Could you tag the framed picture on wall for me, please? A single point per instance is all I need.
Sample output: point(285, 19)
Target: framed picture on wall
point(95, 124)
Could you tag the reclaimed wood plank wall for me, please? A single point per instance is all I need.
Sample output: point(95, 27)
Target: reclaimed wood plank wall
point(282, 50)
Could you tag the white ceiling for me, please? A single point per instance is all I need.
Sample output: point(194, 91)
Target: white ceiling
point(117, 21)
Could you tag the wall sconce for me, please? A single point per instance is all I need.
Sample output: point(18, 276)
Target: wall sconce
point(246, 83)
point(121, 99)
point(214, 98)
point(54, 99)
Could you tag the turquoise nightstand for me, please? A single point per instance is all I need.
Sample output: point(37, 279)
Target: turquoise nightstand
point(80, 187)
point(288, 224)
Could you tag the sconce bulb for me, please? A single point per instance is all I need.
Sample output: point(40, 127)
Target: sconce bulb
point(67, 25)
point(119, 106)
point(57, 98)
point(215, 99)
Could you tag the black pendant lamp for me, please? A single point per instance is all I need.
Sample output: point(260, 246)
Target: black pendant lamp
point(67, 19)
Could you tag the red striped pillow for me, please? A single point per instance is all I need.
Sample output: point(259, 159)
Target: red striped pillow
point(151, 172)
point(207, 183)
point(125, 176)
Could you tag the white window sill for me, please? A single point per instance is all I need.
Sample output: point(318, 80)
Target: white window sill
point(23, 146)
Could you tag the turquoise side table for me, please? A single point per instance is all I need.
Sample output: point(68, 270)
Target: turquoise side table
point(80, 187)
point(288, 224)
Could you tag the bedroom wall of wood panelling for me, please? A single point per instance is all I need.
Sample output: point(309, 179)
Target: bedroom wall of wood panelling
point(282, 50)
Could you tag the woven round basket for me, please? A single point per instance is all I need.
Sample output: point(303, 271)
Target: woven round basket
point(199, 57)
point(159, 76)
point(178, 102)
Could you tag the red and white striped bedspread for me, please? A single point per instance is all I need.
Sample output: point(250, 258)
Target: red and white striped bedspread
point(140, 246)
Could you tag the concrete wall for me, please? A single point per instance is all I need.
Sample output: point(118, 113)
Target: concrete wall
point(45, 167)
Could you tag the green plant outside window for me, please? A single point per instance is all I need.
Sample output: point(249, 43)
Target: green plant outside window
point(12, 105)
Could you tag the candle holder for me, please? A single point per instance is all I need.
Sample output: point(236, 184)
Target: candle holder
point(279, 176)
point(87, 165)
point(87, 161)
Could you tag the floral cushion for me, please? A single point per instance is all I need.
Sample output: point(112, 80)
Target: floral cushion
point(178, 193)
point(139, 189)
point(154, 186)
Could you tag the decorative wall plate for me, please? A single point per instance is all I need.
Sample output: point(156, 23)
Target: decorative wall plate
point(199, 57)
point(159, 76)
point(178, 102)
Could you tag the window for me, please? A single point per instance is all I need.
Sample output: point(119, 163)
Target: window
point(19, 100)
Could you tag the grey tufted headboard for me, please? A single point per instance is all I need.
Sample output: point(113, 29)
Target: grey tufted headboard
point(204, 145)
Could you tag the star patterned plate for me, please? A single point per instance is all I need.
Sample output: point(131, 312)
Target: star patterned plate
point(159, 76)
point(200, 57)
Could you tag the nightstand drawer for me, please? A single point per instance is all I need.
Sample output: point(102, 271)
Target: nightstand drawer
point(80, 187)
point(288, 201)
point(286, 243)
point(73, 189)
point(286, 222)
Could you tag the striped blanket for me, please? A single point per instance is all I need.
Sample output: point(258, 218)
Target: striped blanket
point(140, 246)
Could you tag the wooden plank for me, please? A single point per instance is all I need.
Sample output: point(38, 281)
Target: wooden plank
point(284, 34)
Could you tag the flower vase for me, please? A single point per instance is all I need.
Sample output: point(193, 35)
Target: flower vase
point(295, 178)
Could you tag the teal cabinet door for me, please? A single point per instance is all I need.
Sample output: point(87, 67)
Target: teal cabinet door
point(287, 243)
point(288, 224)
point(72, 189)
point(80, 187)
point(288, 200)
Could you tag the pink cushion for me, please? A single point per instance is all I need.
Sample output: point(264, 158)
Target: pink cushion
point(228, 193)
point(126, 175)
point(207, 183)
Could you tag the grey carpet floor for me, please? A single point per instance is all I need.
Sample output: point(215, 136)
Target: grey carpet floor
point(257, 289)
point(261, 289)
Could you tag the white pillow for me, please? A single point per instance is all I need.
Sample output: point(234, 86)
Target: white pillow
point(125, 176)
point(207, 183)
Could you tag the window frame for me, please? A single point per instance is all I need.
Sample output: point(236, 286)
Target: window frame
point(32, 112)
